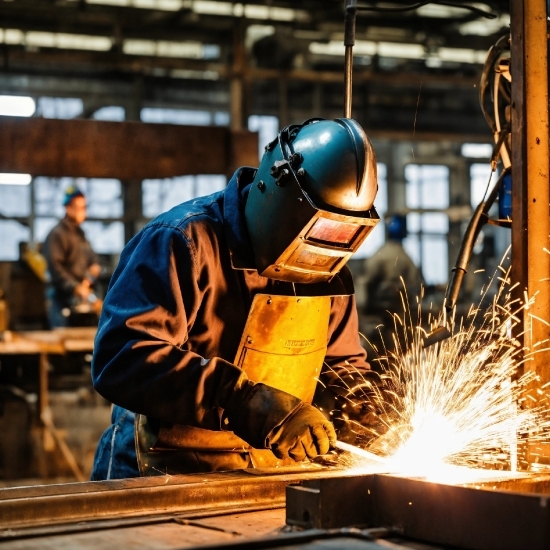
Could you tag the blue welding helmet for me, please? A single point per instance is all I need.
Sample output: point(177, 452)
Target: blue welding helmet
point(310, 205)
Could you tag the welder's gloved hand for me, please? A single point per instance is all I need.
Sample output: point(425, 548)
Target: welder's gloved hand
point(306, 432)
point(269, 418)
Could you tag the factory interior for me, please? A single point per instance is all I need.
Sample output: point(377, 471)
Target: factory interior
point(143, 270)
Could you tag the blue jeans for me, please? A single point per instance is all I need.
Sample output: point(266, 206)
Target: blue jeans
point(55, 307)
point(115, 456)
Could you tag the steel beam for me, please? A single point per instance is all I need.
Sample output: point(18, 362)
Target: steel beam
point(55, 59)
point(33, 507)
point(461, 517)
point(123, 150)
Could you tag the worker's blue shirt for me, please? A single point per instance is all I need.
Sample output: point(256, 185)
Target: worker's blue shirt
point(176, 308)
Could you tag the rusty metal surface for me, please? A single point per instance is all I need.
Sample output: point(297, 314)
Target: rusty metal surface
point(463, 517)
point(519, 192)
point(123, 150)
point(140, 497)
point(537, 184)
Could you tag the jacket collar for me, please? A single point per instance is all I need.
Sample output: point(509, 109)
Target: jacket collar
point(70, 224)
point(236, 232)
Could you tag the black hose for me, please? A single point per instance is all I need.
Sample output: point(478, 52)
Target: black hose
point(480, 217)
point(494, 53)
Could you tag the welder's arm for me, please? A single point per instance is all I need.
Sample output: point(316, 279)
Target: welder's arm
point(344, 351)
point(139, 360)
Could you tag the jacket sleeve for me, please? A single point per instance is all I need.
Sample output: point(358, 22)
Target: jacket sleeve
point(344, 346)
point(140, 361)
point(55, 254)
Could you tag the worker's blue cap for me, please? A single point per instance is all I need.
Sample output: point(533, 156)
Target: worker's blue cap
point(396, 225)
point(71, 193)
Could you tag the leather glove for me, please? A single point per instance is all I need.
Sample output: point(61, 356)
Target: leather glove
point(306, 432)
point(268, 418)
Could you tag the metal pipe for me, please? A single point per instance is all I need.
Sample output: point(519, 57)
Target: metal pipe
point(349, 41)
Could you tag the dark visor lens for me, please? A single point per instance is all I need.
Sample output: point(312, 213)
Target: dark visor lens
point(333, 232)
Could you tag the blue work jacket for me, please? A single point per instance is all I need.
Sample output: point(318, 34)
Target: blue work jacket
point(177, 305)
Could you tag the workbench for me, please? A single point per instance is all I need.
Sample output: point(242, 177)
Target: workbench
point(42, 344)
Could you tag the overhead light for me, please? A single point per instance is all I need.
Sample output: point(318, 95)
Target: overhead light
point(462, 55)
point(14, 105)
point(15, 179)
point(401, 51)
point(446, 12)
point(189, 50)
point(485, 27)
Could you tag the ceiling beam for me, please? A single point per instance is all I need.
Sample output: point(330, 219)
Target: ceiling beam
point(122, 150)
point(59, 60)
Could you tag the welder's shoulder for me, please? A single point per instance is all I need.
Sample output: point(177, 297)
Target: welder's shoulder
point(194, 219)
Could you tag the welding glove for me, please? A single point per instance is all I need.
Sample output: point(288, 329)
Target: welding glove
point(269, 418)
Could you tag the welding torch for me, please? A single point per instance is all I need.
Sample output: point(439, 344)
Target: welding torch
point(479, 219)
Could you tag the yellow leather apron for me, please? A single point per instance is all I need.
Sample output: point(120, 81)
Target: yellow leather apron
point(283, 345)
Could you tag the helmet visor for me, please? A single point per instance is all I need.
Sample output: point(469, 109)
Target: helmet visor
point(323, 247)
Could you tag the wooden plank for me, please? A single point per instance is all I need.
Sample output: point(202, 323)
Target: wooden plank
point(122, 150)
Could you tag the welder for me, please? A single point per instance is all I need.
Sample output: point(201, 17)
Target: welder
point(225, 311)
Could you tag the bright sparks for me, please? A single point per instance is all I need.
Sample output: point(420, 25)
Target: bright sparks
point(458, 402)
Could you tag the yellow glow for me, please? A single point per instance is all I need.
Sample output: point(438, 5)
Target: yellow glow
point(454, 409)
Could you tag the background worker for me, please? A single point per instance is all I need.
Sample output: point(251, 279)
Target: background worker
point(176, 340)
point(72, 264)
point(388, 274)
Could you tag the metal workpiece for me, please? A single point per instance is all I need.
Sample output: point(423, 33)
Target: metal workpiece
point(49, 505)
point(476, 517)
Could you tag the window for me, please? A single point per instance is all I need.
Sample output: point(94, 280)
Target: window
point(426, 243)
point(176, 116)
point(267, 128)
point(479, 178)
point(59, 107)
point(378, 236)
point(160, 195)
point(117, 114)
point(11, 234)
point(105, 238)
point(15, 200)
point(104, 200)
point(477, 150)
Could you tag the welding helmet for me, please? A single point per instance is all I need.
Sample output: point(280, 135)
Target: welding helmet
point(310, 205)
